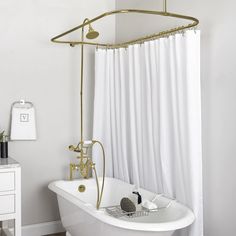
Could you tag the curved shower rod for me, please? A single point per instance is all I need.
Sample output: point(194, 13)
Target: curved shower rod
point(72, 43)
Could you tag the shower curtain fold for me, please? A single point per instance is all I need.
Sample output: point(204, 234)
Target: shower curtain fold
point(147, 113)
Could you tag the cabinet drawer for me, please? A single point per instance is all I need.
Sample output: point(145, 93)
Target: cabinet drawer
point(7, 181)
point(7, 204)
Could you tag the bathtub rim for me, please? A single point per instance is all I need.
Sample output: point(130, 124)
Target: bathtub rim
point(102, 216)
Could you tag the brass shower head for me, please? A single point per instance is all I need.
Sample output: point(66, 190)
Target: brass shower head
point(92, 34)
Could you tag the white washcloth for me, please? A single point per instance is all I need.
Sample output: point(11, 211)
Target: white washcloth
point(23, 125)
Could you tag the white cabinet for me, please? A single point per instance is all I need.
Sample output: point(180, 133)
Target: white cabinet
point(7, 204)
point(10, 194)
point(7, 181)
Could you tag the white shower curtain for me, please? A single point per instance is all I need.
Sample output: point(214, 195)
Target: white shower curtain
point(147, 113)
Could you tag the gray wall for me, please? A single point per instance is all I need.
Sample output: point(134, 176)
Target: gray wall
point(33, 68)
point(218, 74)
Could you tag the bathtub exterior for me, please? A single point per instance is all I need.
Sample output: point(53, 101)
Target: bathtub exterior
point(80, 218)
point(79, 223)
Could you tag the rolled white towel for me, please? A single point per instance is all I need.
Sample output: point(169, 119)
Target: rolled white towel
point(149, 205)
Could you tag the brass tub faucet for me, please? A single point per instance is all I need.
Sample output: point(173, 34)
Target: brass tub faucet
point(86, 166)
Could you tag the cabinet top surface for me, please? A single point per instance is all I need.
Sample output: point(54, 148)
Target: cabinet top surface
point(8, 163)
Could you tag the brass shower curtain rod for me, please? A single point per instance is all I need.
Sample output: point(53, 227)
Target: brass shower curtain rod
point(194, 23)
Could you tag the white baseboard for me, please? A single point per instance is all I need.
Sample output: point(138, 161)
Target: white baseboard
point(42, 229)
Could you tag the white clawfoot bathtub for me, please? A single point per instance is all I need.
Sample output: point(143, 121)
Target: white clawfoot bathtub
point(80, 217)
